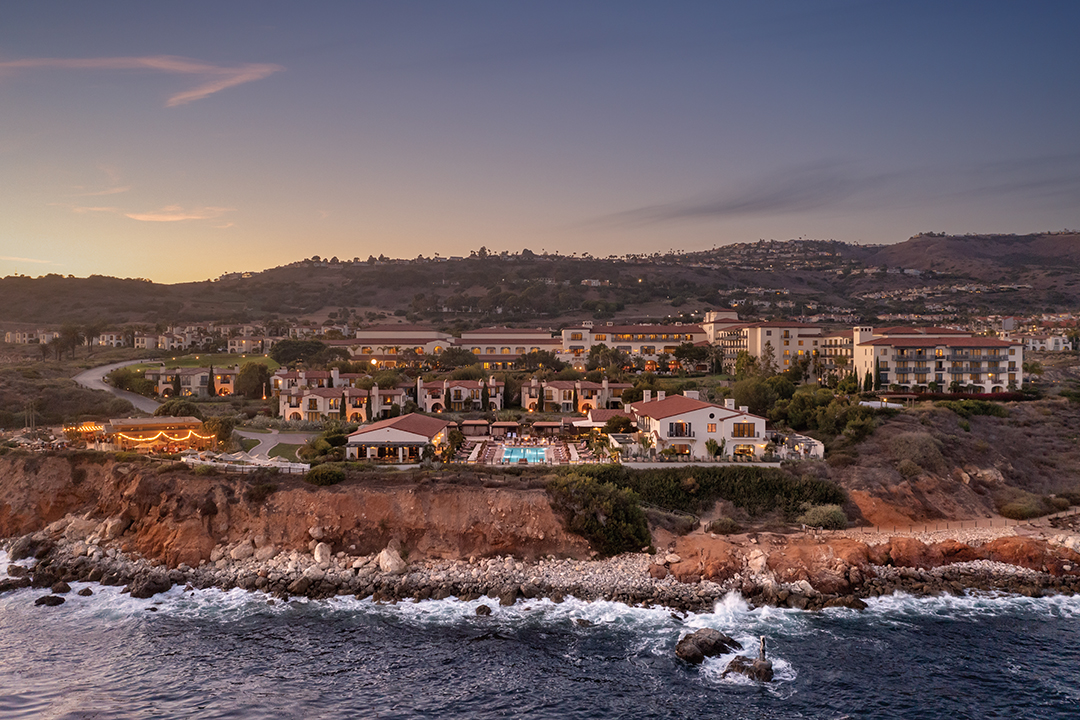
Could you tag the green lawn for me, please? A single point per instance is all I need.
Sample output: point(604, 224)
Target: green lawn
point(248, 443)
point(261, 431)
point(285, 450)
point(218, 360)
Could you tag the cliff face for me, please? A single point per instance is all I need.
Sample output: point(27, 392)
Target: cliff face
point(179, 517)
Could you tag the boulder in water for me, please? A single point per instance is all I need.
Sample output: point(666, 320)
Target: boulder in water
point(60, 588)
point(760, 670)
point(697, 646)
point(30, 546)
point(483, 610)
point(85, 592)
point(16, 571)
point(49, 600)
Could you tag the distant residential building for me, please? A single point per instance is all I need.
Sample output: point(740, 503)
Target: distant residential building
point(498, 348)
point(1047, 343)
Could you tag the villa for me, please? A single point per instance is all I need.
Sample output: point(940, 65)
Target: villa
point(316, 404)
point(685, 424)
point(572, 396)
point(459, 395)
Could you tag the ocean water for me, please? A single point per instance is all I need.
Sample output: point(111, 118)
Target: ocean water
point(212, 654)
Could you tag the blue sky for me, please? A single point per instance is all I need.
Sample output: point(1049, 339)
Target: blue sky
point(180, 141)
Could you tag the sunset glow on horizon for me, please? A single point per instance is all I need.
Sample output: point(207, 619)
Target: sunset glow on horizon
point(180, 142)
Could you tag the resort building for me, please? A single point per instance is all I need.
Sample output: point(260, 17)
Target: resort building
point(686, 424)
point(393, 345)
point(953, 360)
point(352, 404)
point(459, 395)
point(499, 348)
point(571, 396)
point(402, 439)
point(194, 382)
point(648, 341)
point(285, 379)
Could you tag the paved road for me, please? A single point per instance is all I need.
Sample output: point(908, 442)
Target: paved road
point(268, 440)
point(93, 379)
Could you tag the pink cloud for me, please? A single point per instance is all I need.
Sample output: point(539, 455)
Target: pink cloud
point(216, 77)
point(175, 213)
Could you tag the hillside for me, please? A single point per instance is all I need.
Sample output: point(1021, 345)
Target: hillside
point(961, 274)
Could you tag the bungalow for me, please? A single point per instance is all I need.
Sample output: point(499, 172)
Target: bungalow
point(686, 424)
point(402, 439)
point(285, 379)
point(459, 395)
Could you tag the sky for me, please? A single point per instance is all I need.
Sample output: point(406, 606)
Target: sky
point(181, 141)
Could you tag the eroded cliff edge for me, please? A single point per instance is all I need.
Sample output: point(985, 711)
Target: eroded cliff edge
point(177, 517)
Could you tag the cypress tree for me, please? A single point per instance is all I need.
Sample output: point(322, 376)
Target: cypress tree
point(210, 389)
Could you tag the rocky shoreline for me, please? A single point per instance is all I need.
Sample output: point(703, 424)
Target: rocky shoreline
point(77, 549)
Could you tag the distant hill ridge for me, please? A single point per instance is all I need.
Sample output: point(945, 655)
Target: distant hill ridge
point(526, 288)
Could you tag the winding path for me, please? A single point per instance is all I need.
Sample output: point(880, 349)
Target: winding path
point(94, 379)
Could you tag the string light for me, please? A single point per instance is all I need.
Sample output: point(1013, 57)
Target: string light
point(191, 434)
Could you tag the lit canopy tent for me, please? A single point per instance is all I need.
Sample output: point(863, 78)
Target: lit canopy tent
point(175, 433)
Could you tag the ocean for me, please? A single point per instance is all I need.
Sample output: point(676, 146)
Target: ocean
point(213, 654)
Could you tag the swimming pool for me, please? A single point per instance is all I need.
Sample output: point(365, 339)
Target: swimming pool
point(529, 454)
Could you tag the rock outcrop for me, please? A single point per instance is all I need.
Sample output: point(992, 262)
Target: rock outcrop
point(696, 646)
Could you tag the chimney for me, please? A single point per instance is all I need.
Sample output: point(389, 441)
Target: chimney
point(660, 394)
point(729, 403)
point(647, 396)
point(335, 373)
point(692, 394)
point(744, 408)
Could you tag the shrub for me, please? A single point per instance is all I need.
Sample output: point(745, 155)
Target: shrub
point(920, 448)
point(859, 428)
point(259, 493)
point(908, 469)
point(609, 517)
point(692, 489)
point(840, 459)
point(830, 517)
point(171, 467)
point(129, 457)
point(677, 523)
point(965, 425)
point(325, 474)
point(1024, 508)
point(1059, 503)
point(205, 470)
point(967, 408)
point(724, 526)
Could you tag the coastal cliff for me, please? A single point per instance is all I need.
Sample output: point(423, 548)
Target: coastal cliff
point(175, 516)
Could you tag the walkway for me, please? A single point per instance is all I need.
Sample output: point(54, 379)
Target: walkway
point(268, 441)
point(94, 379)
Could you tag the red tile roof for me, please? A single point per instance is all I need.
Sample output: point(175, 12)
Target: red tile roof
point(429, 427)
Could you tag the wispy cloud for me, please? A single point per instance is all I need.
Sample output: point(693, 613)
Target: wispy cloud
point(798, 190)
point(22, 259)
point(110, 191)
point(215, 77)
point(175, 213)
